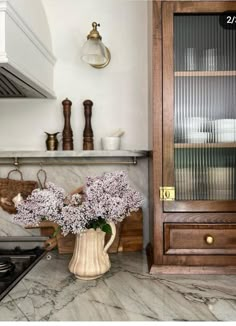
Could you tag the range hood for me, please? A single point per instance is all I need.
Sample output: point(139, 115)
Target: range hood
point(26, 64)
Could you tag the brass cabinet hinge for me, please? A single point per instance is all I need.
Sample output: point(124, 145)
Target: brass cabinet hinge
point(167, 193)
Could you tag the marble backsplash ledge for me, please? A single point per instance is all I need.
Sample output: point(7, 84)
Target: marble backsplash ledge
point(9, 228)
point(70, 178)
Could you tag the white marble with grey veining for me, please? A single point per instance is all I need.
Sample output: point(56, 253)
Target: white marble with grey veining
point(70, 178)
point(89, 154)
point(126, 293)
point(9, 228)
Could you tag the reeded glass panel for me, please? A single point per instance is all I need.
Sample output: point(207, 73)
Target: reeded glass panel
point(204, 108)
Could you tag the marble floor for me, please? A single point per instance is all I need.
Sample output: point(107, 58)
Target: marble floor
point(126, 293)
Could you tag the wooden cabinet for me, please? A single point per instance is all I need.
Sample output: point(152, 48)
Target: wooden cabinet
point(194, 136)
point(200, 239)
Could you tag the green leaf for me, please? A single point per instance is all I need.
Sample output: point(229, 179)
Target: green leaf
point(106, 228)
point(100, 223)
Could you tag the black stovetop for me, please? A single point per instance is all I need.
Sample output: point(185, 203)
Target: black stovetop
point(22, 261)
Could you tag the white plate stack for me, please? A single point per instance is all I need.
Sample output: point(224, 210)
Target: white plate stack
point(194, 130)
point(220, 183)
point(213, 183)
point(224, 130)
point(190, 183)
point(198, 137)
point(184, 183)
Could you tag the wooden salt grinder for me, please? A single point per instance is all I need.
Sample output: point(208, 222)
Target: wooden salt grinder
point(88, 132)
point(67, 135)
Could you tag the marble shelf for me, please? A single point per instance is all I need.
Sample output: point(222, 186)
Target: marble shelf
point(73, 154)
point(122, 157)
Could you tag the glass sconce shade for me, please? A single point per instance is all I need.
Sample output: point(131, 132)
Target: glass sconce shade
point(94, 52)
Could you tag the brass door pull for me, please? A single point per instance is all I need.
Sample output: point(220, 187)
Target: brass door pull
point(209, 239)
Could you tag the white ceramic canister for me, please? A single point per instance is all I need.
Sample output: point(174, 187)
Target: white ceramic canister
point(111, 143)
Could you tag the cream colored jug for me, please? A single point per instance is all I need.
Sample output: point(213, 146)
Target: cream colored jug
point(90, 259)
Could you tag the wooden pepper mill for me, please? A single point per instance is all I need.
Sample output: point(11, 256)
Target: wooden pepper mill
point(67, 135)
point(88, 131)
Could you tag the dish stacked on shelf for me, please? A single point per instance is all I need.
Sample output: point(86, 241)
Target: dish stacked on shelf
point(212, 183)
point(184, 184)
point(194, 130)
point(224, 130)
point(221, 183)
point(190, 184)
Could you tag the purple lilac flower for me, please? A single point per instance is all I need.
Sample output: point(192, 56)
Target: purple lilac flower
point(42, 203)
point(109, 197)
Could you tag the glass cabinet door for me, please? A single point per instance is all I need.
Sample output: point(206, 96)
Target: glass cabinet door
point(199, 105)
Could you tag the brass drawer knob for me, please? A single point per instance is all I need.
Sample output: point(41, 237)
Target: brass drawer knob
point(209, 239)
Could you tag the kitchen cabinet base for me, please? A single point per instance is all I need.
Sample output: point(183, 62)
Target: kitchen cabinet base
point(211, 270)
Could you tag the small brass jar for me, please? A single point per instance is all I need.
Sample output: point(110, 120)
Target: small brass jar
point(52, 141)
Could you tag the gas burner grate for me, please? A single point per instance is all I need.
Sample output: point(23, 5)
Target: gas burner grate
point(15, 264)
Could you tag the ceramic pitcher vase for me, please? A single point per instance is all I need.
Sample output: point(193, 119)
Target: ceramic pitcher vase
point(90, 259)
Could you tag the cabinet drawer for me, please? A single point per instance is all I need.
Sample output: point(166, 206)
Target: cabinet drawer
point(190, 239)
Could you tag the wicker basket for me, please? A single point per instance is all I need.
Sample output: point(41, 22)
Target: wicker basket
point(10, 188)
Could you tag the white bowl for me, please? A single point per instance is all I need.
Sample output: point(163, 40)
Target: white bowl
point(111, 143)
point(220, 175)
point(195, 123)
point(224, 124)
point(198, 137)
point(224, 137)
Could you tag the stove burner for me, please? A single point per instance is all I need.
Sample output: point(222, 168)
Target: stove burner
point(18, 251)
point(14, 264)
point(6, 266)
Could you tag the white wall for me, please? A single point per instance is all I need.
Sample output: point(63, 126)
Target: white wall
point(119, 92)
point(35, 18)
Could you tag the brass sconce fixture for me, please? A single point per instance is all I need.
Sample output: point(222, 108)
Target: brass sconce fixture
point(94, 52)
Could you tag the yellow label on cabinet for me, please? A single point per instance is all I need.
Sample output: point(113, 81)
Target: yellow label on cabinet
point(167, 193)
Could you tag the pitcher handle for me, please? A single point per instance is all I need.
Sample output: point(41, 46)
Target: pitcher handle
point(109, 243)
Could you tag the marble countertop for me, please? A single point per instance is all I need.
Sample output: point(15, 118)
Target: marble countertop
point(126, 293)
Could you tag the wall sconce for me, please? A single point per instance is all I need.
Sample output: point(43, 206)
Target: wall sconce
point(94, 51)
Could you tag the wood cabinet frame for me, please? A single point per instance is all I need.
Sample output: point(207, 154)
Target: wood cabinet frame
point(222, 212)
